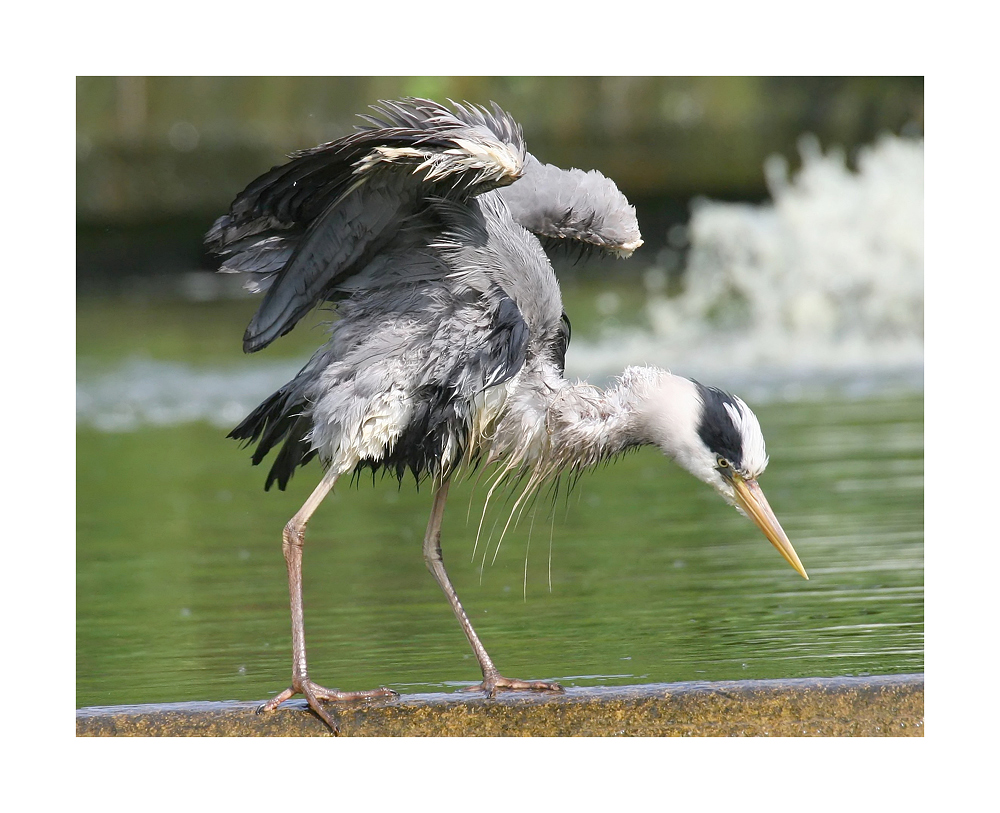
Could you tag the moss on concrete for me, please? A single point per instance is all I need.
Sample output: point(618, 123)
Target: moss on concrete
point(819, 707)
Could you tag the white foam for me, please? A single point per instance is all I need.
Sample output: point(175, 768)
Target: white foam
point(826, 279)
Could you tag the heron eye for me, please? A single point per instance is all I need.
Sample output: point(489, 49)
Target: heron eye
point(723, 463)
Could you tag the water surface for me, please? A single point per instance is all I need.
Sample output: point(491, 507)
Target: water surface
point(641, 574)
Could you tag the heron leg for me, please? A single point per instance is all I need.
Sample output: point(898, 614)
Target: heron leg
point(292, 540)
point(492, 679)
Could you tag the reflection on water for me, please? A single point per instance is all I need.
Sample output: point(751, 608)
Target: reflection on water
point(181, 590)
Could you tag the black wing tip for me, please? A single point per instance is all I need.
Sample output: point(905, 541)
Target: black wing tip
point(257, 336)
point(253, 343)
point(214, 237)
point(277, 420)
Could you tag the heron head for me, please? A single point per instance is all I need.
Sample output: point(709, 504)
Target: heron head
point(717, 438)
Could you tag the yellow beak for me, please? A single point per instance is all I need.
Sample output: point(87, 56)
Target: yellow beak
point(751, 499)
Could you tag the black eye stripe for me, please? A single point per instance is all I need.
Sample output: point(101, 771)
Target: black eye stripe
point(716, 428)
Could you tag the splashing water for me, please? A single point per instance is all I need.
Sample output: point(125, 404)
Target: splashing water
point(148, 392)
point(826, 279)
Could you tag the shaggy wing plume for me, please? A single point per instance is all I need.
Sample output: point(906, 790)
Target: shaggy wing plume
point(570, 209)
point(305, 227)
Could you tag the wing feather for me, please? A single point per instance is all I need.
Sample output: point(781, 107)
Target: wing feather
point(570, 208)
point(302, 229)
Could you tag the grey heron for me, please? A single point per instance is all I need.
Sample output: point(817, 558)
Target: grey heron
point(428, 229)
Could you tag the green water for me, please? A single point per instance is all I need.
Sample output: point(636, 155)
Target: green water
point(640, 575)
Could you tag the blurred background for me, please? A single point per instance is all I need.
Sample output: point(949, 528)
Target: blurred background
point(783, 259)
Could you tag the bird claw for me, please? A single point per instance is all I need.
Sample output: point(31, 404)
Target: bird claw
point(313, 693)
point(494, 683)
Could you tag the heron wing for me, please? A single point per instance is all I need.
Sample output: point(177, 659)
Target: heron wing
point(564, 208)
point(572, 209)
point(297, 192)
point(339, 243)
point(301, 230)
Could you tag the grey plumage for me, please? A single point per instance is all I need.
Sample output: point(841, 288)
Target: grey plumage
point(440, 293)
point(567, 208)
point(428, 230)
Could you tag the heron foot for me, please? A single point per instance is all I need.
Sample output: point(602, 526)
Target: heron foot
point(496, 682)
point(314, 693)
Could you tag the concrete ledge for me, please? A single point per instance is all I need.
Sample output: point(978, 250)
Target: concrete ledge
point(890, 705)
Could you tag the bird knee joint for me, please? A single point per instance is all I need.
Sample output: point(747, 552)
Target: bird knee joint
point(432, 554)
point(293, 535)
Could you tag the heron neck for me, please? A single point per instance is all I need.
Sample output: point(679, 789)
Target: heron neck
point(579, 425)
